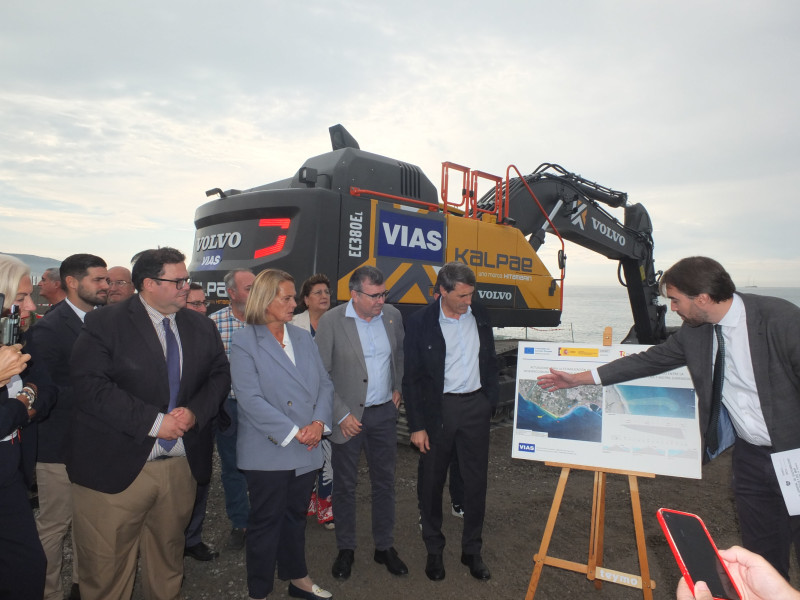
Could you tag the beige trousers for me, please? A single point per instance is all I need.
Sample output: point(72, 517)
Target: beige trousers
point(149, 518)
point(53, 523)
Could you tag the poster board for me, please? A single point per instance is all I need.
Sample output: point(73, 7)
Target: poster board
point(649, 425)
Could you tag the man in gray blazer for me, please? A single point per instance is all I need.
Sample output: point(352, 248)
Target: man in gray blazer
point(760, 389)
point(361, 345)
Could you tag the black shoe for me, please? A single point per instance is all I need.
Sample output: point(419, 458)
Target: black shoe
point(74, 592)
point(316, 593)
point(434, 567)
point(477, 568)
point(200, 552)
point(343, 564)
point(236, 539)
point(389, 557)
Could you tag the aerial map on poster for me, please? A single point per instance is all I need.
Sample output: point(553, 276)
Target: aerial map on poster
point(648, 425)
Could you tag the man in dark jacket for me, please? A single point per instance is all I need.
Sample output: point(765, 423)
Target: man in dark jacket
point(450, 388)
point(751, 345)
point(148, 378)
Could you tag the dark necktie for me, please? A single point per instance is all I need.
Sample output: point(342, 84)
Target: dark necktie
point(173, 374)
point(712, 437)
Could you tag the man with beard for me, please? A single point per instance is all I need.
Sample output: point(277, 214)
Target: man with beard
point(743, 354)
point(85, 281)
point(120, 286)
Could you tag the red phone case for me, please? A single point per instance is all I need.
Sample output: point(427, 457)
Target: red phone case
point(676, 553)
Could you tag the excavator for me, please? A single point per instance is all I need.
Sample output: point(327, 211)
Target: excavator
point(348, 207)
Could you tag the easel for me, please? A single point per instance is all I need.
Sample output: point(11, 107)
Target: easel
point(594, 569)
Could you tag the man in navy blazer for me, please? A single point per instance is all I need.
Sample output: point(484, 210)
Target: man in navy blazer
point(85, 281)
point(450, 387)
point(760, 412)
point(148, 377)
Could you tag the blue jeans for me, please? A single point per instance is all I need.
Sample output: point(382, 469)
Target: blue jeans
point(237, 503)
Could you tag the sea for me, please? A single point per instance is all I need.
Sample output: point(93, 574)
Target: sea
point(588, 310)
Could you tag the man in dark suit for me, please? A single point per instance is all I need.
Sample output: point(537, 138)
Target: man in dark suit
point(450, 389)
point(85, 280)
point(759, 412)
point(148, 378)
point(361, 345)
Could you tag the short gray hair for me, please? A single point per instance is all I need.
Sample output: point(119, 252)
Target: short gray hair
point(52, 274)
point(230, 277)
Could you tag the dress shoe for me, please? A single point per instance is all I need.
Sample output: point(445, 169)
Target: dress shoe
point(74, 592)
point(200, 552)
point(477, 568)
point(389, 557)
point(434, 567)
point(342, 565)
point(316, 593)
point(236, 539)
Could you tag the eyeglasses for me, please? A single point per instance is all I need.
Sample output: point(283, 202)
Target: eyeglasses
point(199, 303)
point(179, 283)
point(325, 292)
point(118, 283)
point(377, 296)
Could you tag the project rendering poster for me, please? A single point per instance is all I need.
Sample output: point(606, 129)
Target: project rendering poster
point(648, 425)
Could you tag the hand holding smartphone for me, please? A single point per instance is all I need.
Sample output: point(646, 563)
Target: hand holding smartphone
point(696, 553)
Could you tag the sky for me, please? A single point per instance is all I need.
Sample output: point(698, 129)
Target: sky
point(117, 117)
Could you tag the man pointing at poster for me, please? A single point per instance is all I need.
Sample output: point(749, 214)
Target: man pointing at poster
point(743, 354)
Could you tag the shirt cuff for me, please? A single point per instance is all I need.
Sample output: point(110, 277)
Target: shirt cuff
point(596, 376)
point(156, 426)
point(342, 419)
point(290, 437)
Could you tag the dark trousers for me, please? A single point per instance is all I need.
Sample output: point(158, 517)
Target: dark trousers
point(276, 530)
point(378, 438)
point(234, 485)
point(767, 528)
point(194, 531)
point(455, 484)
point(465, 430)
point(22, 560)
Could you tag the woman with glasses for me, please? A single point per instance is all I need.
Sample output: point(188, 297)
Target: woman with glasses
point(22, 560)
point(315, 299)
point(285, 401)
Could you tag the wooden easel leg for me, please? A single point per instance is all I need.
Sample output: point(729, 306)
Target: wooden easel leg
point(638, 525)
point(598, 522)
point(548, 534)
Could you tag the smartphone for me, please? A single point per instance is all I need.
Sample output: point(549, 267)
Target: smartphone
point(696, 553)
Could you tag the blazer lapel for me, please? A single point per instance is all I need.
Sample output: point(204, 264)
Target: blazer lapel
point(270, 345)
point(351, 331)
point(144, 326)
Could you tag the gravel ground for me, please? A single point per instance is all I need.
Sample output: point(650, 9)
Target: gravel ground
point(519, 498)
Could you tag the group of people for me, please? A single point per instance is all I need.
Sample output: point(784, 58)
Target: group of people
point(118, 408)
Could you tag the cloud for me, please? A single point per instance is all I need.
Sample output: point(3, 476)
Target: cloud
point(117, 118)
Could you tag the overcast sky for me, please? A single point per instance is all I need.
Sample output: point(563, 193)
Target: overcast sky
point(117, 116)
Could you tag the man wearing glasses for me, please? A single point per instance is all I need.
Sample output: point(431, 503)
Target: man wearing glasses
point(120, 286)
point(361, 344)
point(148, 379)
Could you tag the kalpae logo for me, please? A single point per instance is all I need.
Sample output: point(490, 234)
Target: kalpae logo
point(526, 447)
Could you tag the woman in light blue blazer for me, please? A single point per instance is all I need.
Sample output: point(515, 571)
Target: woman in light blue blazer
point(285, 401)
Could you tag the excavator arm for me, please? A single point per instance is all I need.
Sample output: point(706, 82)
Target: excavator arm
point(558, 201)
